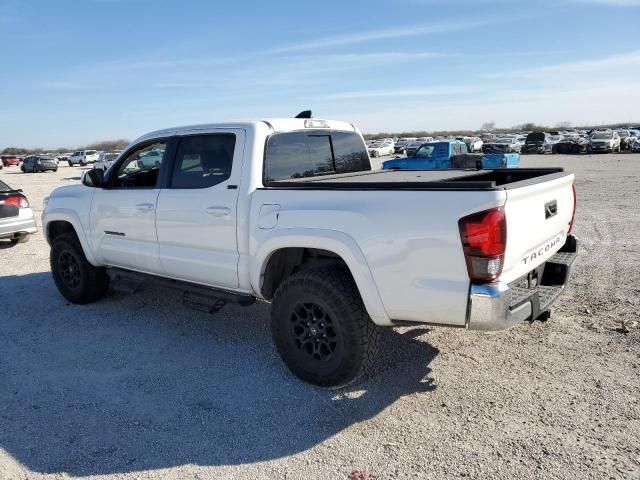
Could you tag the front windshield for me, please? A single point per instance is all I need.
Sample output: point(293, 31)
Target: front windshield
point(426, 151)
point(602, 136)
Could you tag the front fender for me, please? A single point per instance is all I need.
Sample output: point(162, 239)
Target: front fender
point(331, 240)
point(68, 215)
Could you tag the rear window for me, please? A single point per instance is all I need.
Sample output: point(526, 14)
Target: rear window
point(311, 153)
point(91, 152)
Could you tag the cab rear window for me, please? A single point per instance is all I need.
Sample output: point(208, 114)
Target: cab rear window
point(312, 153)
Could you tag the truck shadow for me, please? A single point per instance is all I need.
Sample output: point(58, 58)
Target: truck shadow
point(137, 382)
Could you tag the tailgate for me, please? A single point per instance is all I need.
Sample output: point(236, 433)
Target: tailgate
point(538, 218)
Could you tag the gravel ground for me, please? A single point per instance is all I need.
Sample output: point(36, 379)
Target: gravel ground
point(136, 386)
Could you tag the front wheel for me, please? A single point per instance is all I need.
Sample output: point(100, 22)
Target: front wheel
point(321, 328)
point(77, 280)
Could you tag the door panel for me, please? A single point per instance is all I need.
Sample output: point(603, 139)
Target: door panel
point(123, 216)
point(123, 229)
point(196, 223)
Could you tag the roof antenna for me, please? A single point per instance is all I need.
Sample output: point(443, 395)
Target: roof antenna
point(305, 114)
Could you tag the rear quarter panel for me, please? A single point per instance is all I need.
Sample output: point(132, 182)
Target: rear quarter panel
point(410, 241)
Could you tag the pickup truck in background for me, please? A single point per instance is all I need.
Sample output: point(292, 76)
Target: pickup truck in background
point(288, 211)
point(429, 156)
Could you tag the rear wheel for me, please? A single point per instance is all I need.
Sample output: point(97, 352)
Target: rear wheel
point(321, 328)
point(77, 280)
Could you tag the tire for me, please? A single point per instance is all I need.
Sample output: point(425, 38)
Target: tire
point(346, 338)
point(77, 280)
point(70, 164)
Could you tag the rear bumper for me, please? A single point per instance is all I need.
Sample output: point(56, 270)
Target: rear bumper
point(498, 306)
point(25, 222)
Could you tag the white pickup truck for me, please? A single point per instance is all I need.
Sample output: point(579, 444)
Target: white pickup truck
point(289, 211)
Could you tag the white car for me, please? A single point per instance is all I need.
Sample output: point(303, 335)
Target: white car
point(604, 141)
point(381, 149)
point(83, 157)
point(289, 211)
point(474, 144)
point(106, 159)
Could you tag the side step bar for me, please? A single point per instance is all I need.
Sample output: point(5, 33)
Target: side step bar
point(198, 297)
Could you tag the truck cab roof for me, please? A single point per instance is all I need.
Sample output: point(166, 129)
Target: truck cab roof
point(276, 125)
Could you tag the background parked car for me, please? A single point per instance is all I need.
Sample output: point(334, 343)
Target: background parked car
point(502, 145)
point(537, 142)
point(106, 159)
point(150, 159)
point(10, 160)
point(401, 145)
point(572, 144)
point(625, 139)
point(37, 163)
point(83, 157)
point(474, 144)
point(16, 217)
point(604, 141)
point(380, 149)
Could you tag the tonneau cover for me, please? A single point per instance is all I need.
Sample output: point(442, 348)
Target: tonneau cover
point(422, 179)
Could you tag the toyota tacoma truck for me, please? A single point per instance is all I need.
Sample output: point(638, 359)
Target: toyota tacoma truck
point(289, 211)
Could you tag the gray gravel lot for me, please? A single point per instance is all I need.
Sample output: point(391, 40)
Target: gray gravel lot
point(135, 386)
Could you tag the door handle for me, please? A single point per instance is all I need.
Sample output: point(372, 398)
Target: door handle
point(218, 211)
point(145, 207)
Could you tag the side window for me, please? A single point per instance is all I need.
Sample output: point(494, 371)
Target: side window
point(141, 167)
point(203, 161)
point(425, 151)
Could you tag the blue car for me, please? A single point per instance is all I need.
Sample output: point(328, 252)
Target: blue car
point(429, 156)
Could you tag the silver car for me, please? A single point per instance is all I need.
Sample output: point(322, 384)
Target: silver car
point(105, 160)
point(16, 217)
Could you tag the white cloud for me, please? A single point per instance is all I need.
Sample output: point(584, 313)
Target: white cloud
point(402, 92)
point(622, 63)
point(384, 34)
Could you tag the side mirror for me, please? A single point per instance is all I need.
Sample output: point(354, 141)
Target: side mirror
point(93, 178)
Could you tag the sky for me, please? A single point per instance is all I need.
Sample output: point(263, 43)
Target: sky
point(77, 71)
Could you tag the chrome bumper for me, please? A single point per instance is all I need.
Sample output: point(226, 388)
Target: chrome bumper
point(498, 306)
point(25, 222)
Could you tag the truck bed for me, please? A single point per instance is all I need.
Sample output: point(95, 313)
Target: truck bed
point(500, 179)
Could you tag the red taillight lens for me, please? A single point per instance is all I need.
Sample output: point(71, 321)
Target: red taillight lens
point(575, 204)
point(18, 201)
point(484, 241)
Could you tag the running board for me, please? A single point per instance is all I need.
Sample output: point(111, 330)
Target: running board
point(198, 297)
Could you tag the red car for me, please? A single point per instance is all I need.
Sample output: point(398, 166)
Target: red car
point(8, 160)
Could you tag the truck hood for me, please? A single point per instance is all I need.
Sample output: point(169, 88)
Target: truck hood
point(73, 191)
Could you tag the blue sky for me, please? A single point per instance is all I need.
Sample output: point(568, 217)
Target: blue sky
point(77, 71)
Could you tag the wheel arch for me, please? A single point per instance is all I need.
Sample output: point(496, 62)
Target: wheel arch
point(61, 221)
point(287, 251)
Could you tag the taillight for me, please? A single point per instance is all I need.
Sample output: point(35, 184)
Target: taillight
point(484, 241)
point(17, 201)
point(575, 204)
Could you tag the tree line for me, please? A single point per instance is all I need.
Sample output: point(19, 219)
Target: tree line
point(107, 146)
